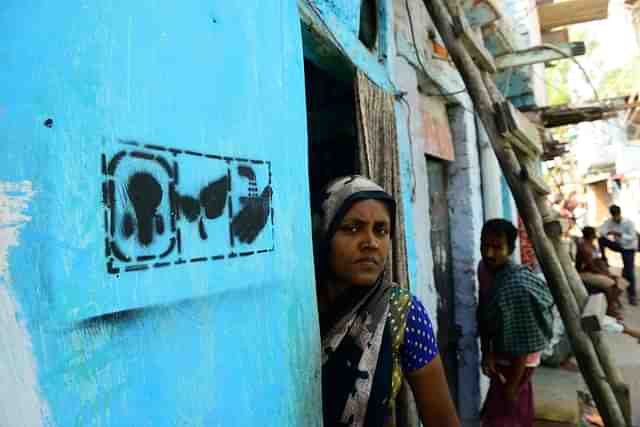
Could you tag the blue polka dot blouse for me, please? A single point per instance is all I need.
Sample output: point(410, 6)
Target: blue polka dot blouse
point(420, 345)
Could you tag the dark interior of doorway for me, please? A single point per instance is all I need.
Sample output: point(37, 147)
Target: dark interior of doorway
point(331, 128)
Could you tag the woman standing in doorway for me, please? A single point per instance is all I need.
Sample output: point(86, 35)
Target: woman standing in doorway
point(374, 332)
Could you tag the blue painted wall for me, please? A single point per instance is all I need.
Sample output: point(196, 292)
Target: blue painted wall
point(347, 12)
point(507, 210)
point(342, 52)
point(222, 330)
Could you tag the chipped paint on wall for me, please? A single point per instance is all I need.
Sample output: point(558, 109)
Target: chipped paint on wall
point(347, 11)
point(20, 400)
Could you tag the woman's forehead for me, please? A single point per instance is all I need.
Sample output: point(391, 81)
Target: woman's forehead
point(369, 209)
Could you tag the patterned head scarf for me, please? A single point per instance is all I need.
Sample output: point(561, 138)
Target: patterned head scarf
point(336, 200)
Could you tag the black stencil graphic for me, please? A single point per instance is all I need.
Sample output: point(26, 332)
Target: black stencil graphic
point(252, 217)
point(156, 218)
point(213, 197)
point(210, 202)
point(145, 194)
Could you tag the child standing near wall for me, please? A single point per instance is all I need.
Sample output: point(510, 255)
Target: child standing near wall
point(515, 324)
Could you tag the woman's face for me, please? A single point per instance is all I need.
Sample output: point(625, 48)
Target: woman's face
point(360, 246)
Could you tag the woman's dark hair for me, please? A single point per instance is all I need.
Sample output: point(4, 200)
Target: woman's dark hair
point(589, 232)
point(501, 227)
point(614, 210)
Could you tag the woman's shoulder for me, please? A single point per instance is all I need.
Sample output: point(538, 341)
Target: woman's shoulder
point(419, 342)
point(399, 302)
point(405, 303)
point(404, 295)
point(399, 293)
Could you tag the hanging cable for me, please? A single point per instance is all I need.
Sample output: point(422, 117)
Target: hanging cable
point(401, 97)
point(424, 69)
point(567, 56)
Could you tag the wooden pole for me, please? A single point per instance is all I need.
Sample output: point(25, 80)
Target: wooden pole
point(516, 178)
point(612, 373)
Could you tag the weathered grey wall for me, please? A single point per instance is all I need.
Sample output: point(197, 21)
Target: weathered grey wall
point(466, 219)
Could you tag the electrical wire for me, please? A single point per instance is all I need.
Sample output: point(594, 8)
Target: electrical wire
point(424, 69)
point(553, 85)
point(401, 97)
point(602, 132)
point(418, 56)
point(566, 55)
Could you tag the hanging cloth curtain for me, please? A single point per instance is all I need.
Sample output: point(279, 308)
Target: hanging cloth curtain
point(378, 159)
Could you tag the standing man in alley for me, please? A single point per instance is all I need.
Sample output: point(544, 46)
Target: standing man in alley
point(619, 235)
point(515, 324)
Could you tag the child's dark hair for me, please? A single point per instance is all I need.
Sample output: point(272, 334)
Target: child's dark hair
point(501, 227)
point(589, 232)
point(614, 210)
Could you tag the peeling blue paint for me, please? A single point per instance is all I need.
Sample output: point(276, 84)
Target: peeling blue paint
point(347, 12)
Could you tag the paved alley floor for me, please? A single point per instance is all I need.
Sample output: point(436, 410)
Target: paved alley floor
point(557, 388)
point(627, 350)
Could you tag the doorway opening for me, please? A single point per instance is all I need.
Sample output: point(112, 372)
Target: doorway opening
point(331, 128)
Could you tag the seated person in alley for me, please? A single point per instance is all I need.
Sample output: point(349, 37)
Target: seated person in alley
point(619, 235)
point(595, 273)
point(515, 324)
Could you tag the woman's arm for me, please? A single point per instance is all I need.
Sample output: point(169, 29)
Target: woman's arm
point(431, 391)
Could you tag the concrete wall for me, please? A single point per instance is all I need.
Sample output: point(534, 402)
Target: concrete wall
point(465, 204)
point(177, 135)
